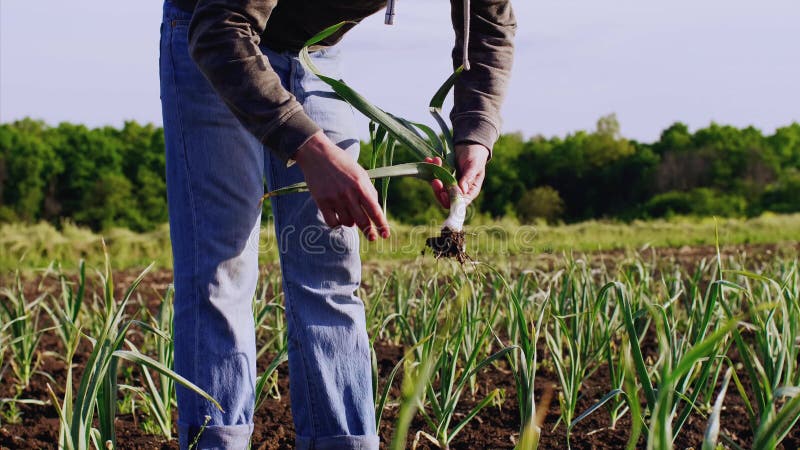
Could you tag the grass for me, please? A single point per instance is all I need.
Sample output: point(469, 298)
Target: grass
point(33, 246)
point(97, 393)
point(666, 333)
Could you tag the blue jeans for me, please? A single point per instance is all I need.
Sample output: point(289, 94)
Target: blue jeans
point(215, 178)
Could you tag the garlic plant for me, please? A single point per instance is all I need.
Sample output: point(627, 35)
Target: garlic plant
point(421, 139)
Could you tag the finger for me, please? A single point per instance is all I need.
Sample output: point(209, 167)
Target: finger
point(444, 199)
point(437, 161)
point(428, 159)
point(440, 192)
point(345, 218)
point(369, 201)
point(466, 180)
point(475, 186)
point(362, 221)
point(330, 217)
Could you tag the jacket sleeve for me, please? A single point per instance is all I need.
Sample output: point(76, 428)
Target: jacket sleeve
point(479, 92)
point(223, 41)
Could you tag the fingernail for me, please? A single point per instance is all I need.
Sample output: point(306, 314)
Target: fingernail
point(385, 234)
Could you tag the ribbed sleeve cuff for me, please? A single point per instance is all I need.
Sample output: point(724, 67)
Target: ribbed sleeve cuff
point(291, 135)
point(475, 129)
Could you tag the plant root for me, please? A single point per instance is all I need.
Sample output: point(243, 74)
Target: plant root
point(449, 244)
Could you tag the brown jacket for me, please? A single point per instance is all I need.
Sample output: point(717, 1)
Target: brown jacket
point(224, 36)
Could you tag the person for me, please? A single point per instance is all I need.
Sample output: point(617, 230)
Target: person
point(238, 108)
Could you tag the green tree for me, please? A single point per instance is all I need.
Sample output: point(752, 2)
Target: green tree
point(606, 145)
point(503, 183)
point(109, 203)
point(108, 176)
point(542, 202)
point(783, 196)
point(28, 164)
point(701, 202)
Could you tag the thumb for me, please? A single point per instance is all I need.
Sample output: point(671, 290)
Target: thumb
point(467, 180)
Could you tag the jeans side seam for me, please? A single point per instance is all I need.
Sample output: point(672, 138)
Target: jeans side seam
point(290, 304)
point(193, 209)
point(308, 387)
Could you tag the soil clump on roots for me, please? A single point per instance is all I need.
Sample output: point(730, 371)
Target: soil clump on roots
point(449, 244)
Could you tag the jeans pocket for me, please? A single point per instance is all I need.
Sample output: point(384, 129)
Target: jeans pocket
point(175, 16)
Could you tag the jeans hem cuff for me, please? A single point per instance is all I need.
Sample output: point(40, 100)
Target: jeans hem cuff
point(215, 437)
point(343, 442)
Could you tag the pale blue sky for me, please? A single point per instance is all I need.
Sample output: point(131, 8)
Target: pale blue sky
point(730, 61)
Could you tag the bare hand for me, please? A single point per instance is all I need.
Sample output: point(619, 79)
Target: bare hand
point(340, 187)
point(471, 170)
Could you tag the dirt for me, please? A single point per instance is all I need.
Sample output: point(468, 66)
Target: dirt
point(449, 244)
point(496, 427)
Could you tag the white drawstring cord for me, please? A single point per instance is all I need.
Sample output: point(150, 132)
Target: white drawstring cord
point(389, 12)
point(465, 50)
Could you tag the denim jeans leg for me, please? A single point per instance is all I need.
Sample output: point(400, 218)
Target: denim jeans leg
point(330, 373)
point(214, 178)
point(214, 181)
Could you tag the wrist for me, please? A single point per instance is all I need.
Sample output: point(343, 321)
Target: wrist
point(311, 149)
point(473, 150)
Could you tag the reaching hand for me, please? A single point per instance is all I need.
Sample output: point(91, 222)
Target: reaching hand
point(471, 170)
point(340, 187)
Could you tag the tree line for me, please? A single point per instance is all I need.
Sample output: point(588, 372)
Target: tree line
point(106, 177)
point(718, 170)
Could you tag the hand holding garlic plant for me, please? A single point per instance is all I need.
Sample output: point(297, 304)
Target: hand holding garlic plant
point(442, 161)
point(471, 169)
point(341, 188)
